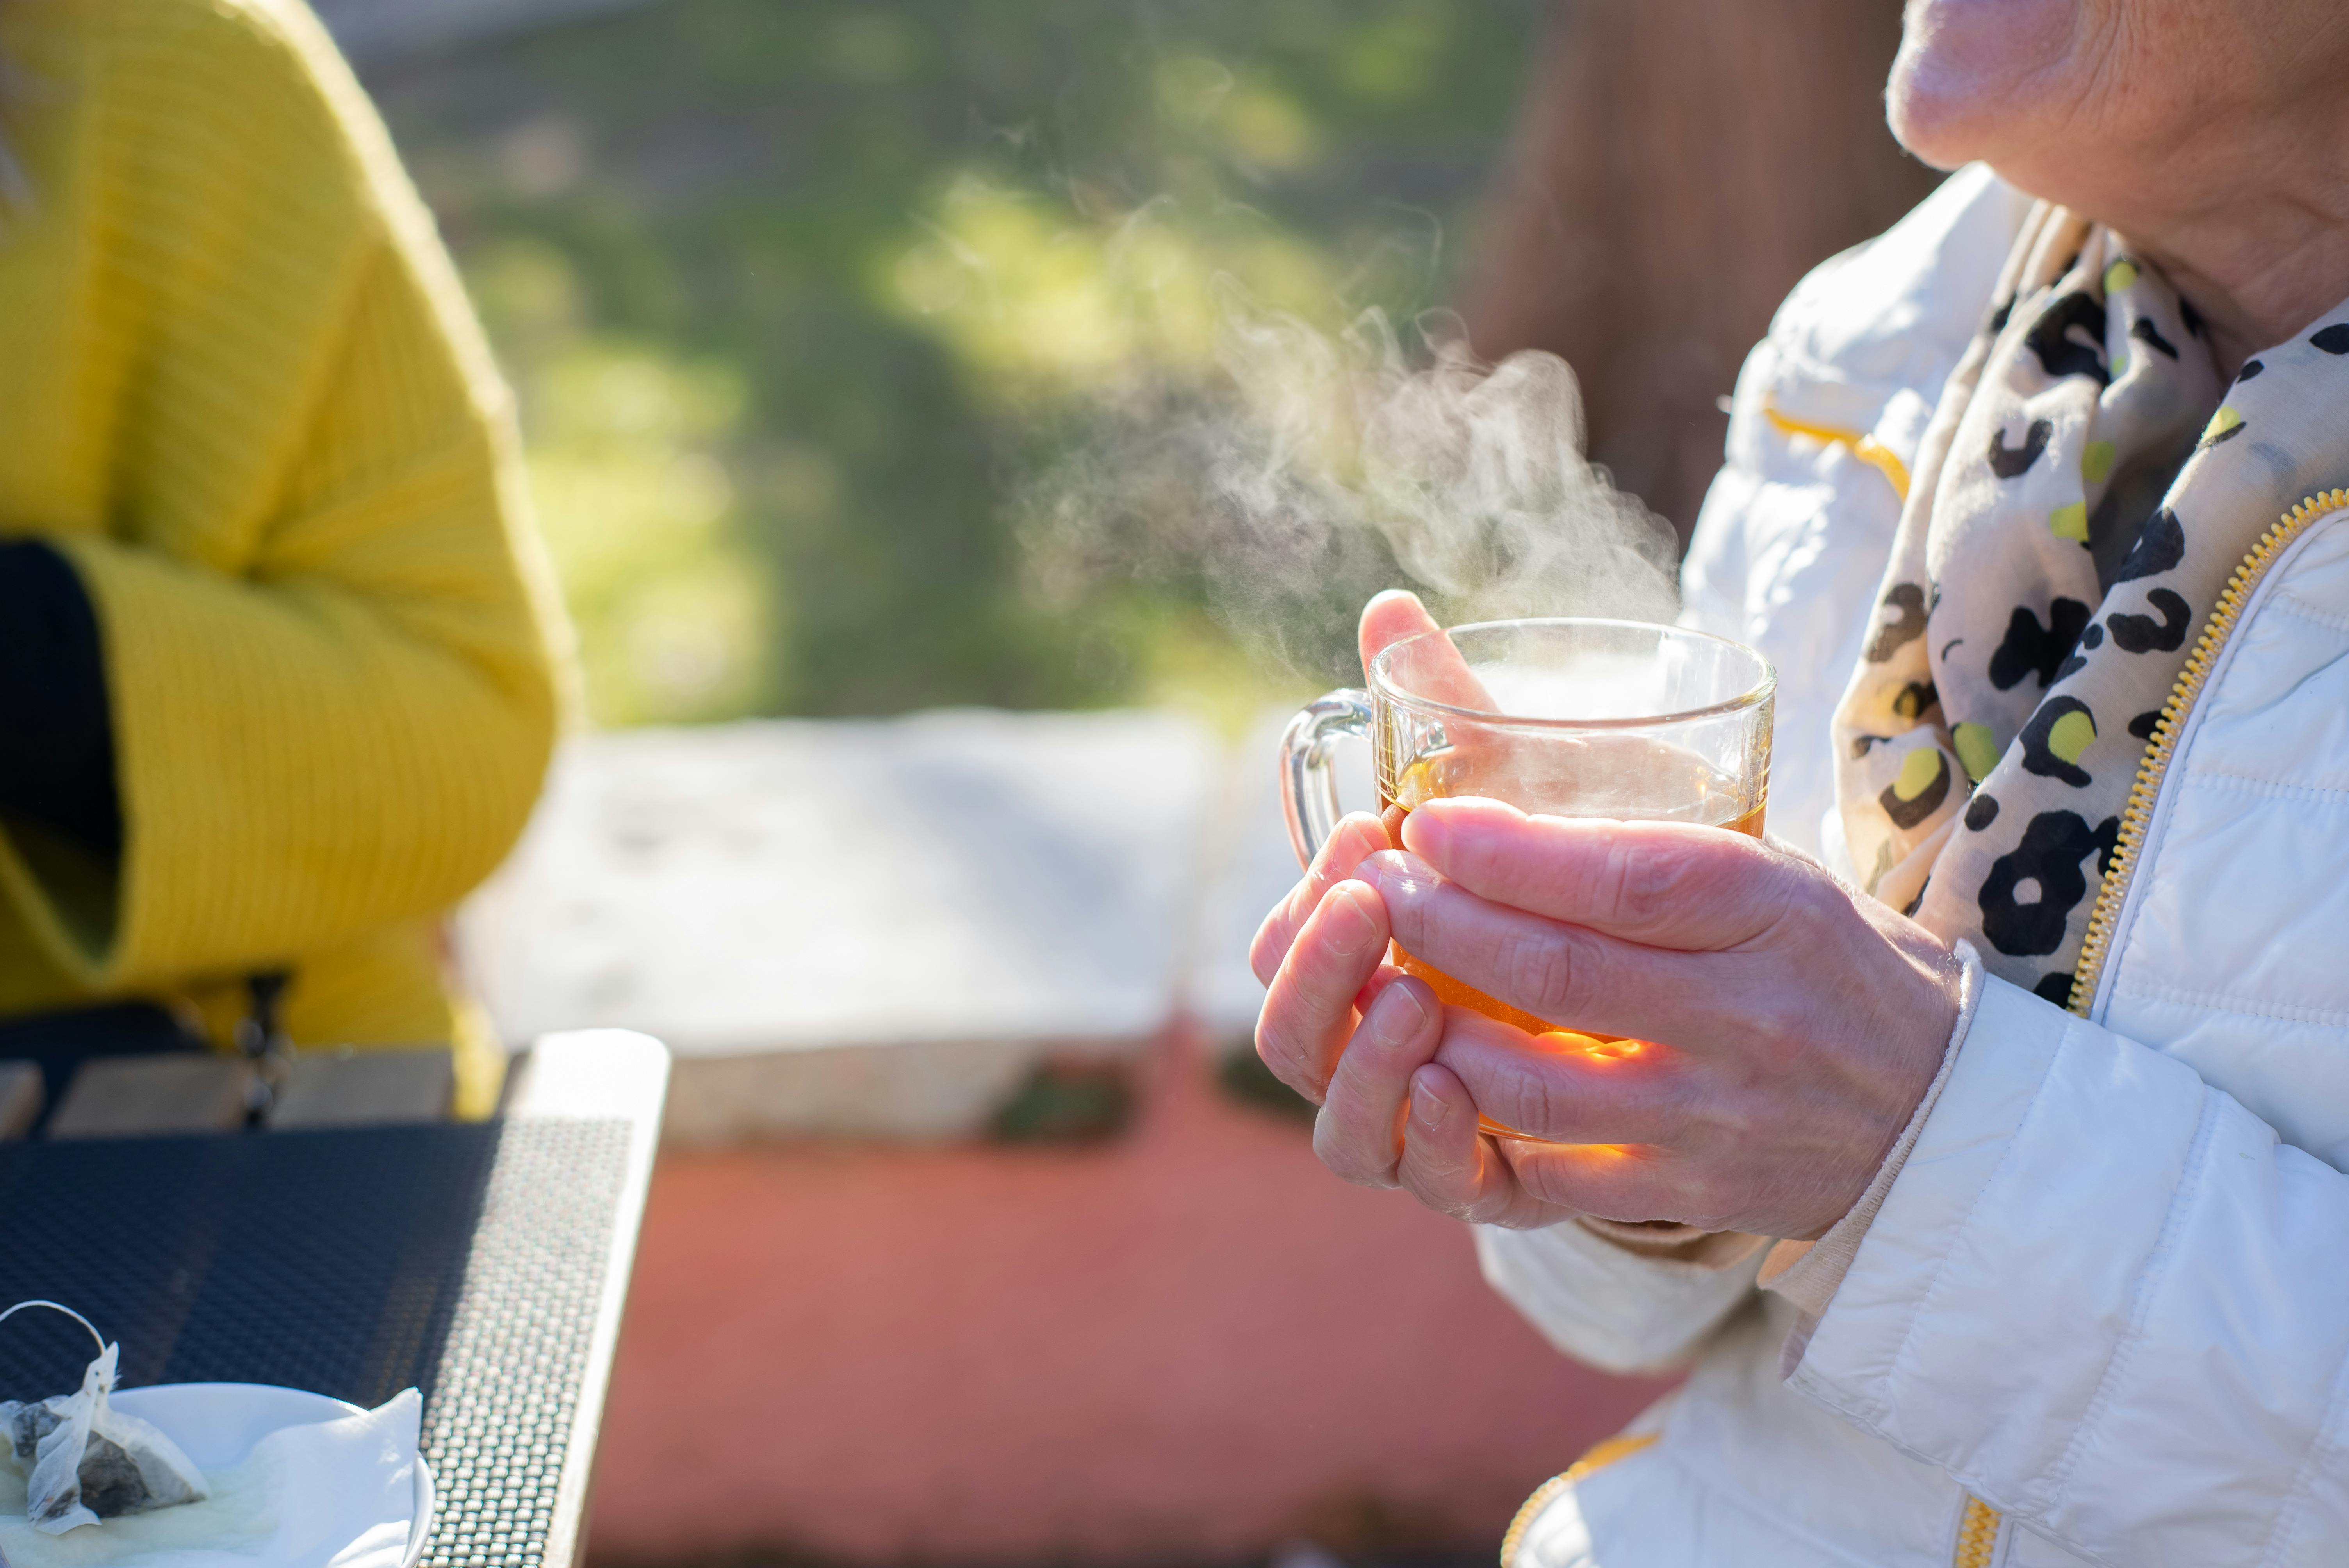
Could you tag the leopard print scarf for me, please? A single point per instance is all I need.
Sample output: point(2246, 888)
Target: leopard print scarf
point(2077, 509)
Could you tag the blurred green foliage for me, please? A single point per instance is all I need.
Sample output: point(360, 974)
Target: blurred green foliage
point(794, 293)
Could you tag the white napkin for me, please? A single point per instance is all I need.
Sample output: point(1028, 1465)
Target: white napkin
point(335, 1494)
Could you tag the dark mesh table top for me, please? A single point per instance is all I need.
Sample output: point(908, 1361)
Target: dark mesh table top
point(466, 1261)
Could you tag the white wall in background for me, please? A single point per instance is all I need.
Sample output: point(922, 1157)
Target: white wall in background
point(856, 925)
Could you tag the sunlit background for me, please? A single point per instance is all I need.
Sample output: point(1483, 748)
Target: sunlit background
point(867, 353)
point(789, 292)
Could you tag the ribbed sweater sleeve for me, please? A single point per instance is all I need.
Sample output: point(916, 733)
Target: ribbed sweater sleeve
point(324, 634)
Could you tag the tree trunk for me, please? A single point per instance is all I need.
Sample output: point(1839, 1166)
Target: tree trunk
point(1679, 165)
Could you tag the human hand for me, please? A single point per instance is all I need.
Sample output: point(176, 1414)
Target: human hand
point(1796, 1025)
point(1321, 955)
point(1340, 1024)
point(1388, 618)
point(1358, 1038)
point(1805, 1022)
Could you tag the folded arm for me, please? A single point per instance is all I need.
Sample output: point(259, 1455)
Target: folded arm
point(288, 489)
point(346, 730)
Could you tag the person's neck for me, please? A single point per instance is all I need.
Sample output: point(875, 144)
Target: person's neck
point(2256, 272)
point(2248, 217)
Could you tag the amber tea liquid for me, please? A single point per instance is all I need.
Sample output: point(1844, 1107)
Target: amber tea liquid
point(1626, 777)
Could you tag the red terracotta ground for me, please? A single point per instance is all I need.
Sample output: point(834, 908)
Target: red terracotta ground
point(1192, 1342)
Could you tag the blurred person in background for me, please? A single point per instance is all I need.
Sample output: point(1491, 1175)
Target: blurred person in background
point(1999, 1208)
point(275, 687)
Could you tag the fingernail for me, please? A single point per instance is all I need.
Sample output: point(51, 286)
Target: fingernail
point(1397, 1016)
point(1427, 1106)
point(1352, 929)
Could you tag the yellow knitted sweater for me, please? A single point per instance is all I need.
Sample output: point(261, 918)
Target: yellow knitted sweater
point(240, 391)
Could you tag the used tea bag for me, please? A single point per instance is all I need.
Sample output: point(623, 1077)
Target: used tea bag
point(88, 1461)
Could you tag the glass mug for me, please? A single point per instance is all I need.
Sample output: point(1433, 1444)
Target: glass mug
point(1566, 718)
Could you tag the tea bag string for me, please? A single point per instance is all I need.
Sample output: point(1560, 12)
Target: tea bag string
point(59, 1306)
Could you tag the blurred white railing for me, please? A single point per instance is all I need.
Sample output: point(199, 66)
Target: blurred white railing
point(881, 927)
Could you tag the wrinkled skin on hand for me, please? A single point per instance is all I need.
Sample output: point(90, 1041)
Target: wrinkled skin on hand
point(1788, 1026)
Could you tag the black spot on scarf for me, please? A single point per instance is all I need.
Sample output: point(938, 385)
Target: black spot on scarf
point(2039, 753)
point(2009, 462)
point(2062, 354)
point(2160, 546)
point(2056, 988)
point(1915, 698)
point(2145, 332)
point(1907, 601)
point(1928, 800)
point(2049, 856)
point(2334, 339)
point(2090, 640)
point(2031, 649)
point(2144, 634)
point(2117, 521)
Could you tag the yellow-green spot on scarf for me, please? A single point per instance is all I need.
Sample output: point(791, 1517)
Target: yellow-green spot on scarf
point(1977, 750)
point(2032, 638)
point(1918, 773)
point(2070, 737)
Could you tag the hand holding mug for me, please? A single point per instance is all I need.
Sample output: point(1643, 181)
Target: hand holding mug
point(1797, 1024)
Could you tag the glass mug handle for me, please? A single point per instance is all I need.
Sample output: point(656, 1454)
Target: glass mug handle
point(1308, 785)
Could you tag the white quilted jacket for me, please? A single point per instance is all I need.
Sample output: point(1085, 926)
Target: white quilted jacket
point(2104, 1315)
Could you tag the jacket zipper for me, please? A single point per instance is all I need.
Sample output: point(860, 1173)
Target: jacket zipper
point(2105, 914)
point(1604, 1453)
point(1977, 1535)
point(1978, 1532)
point(1978, 1529)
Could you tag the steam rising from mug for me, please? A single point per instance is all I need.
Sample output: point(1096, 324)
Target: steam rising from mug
point(1321, 470)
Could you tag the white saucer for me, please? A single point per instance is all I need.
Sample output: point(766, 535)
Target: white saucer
point(216, 1425)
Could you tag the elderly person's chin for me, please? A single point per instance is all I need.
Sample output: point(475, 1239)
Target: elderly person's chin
point(2208, 133)
point(1975, 77)
point(2038, 88)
